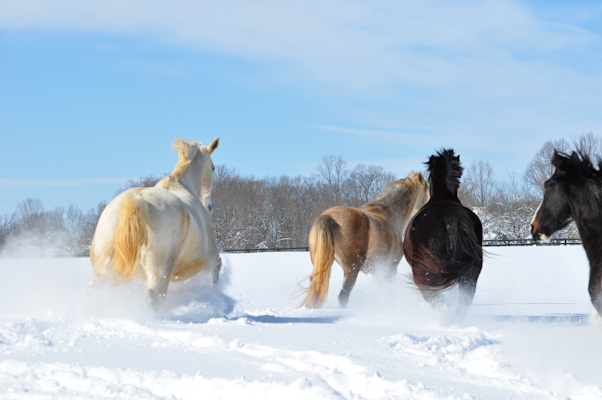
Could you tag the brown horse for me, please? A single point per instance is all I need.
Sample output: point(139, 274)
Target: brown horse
point(366, 239)
point(443, 241)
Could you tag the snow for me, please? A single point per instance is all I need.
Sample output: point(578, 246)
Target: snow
point(528, 335)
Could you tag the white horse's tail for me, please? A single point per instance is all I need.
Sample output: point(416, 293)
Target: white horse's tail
point(130, 235)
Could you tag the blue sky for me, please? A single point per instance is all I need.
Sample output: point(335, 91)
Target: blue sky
point(93, 93)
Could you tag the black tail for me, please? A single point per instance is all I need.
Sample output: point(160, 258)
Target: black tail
point(463, 255)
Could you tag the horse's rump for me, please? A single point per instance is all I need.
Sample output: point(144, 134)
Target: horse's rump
point(120, 251)
point(455, 256)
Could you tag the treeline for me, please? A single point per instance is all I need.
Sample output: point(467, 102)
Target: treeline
point(278, 212)
point(253, 212)
point(33, 231)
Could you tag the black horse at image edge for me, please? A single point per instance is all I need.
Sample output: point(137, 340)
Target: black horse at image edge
point(574, 193)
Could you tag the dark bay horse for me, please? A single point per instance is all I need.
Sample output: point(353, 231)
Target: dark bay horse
point(443, 242)
point(364, 239)
point(574, 193)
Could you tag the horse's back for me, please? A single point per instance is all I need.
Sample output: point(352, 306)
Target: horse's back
point(162, 206)
point(444, 230)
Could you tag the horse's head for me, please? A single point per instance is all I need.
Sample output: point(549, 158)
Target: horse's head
point(575, 182)
point(445, 172)
point(196, 168)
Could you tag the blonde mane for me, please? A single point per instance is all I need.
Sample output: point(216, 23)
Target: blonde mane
point(392, 189)
point(183, 147)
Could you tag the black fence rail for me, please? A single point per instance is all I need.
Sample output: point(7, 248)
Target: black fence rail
point(531, 242)
point(265, 250)
point(507, 242)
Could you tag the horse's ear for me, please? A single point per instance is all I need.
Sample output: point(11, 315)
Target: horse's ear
point(575, 157)
point(557, 161)
point(211, 148)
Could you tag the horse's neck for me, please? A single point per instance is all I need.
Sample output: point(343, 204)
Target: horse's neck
point(191, 183)
point(398, 208)
point(592, 244)
point(178, 187)
point(183, 186)
point(444, 195)
point(589, 224)
point(192, 177)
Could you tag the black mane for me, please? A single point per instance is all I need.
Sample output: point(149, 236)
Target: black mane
point(578, 163)
point(445, 171)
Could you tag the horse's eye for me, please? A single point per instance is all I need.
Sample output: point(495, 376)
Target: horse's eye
point(549, 184)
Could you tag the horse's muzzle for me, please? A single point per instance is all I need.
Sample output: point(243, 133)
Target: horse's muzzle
point(537, 234)
point(534, 232)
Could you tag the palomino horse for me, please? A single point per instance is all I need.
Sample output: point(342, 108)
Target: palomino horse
point(161, 233)
point(365, 239)
point(443, 241)
point(574, 193)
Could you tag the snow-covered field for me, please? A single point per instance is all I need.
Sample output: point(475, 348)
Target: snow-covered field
point(527, 336)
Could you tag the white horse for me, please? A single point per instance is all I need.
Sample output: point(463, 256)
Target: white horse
point(161, 233)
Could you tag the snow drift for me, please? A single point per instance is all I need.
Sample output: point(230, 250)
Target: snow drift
point(528, 335)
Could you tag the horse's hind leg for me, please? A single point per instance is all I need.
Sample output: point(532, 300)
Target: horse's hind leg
point(215, 272)
point(595, 287)
point(348, 283)
point(390, 271)
point(466, 294)
point(158, 273)
point(434, 299)
point(467, 288)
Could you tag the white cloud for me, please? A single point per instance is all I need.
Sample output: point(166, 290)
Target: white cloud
point(491, 76)
point(353, 43)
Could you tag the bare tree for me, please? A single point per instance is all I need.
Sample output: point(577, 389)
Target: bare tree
point(6, 222)
point(540, 168)
point(89, 222)
point(332, 172)
point(363, 182)
point(590, 145)
point(30, 214)
point(479, 180)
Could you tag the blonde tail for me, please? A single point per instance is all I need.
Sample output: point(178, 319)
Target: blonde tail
point(130, 235)
point(323, 257)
